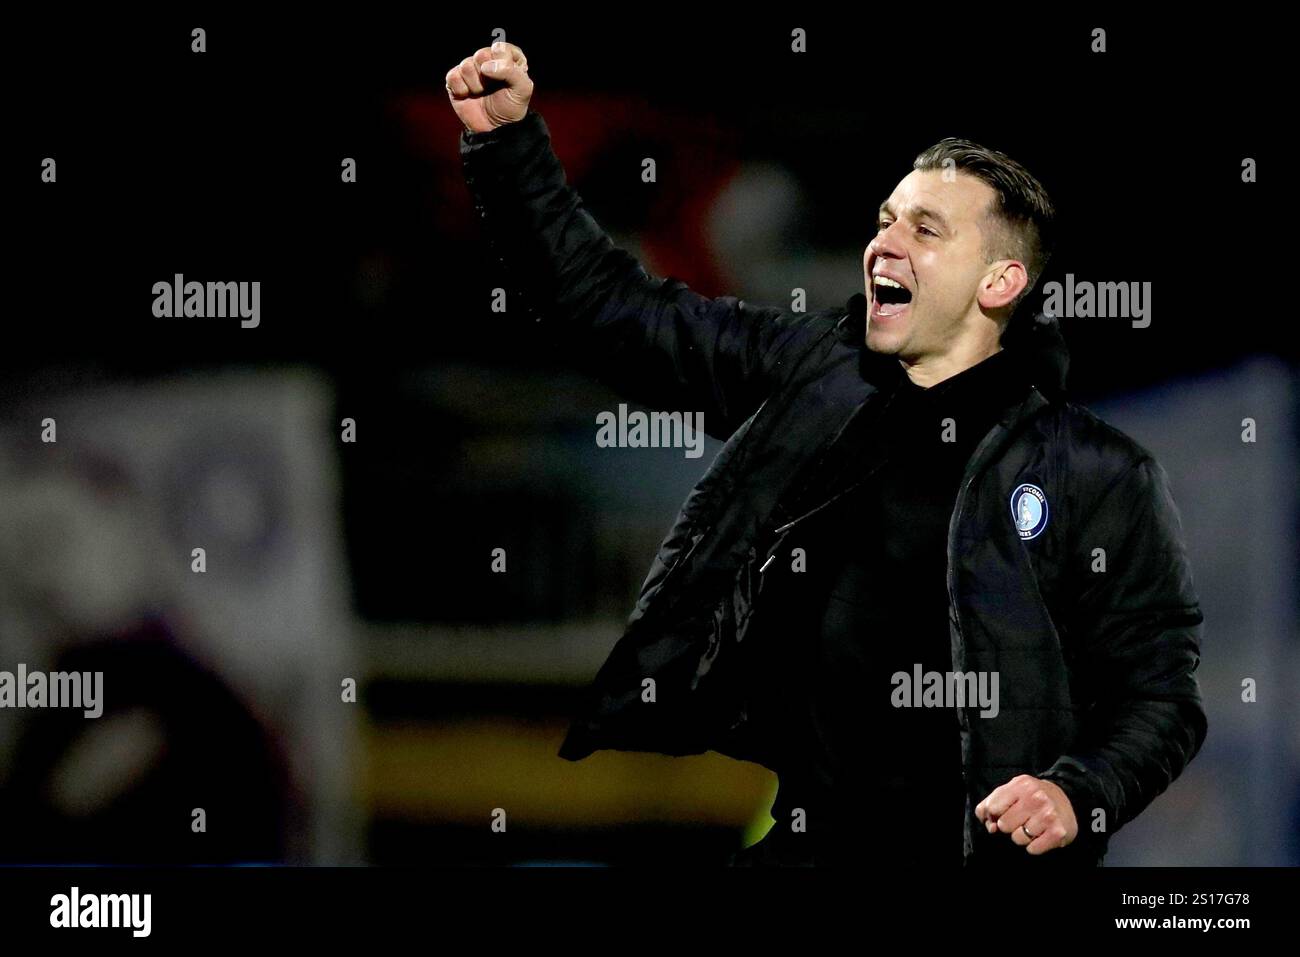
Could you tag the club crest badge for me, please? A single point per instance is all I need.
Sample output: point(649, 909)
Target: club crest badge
point(1029, 510)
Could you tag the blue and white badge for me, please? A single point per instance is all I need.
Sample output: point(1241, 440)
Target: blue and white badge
point(1029, 510)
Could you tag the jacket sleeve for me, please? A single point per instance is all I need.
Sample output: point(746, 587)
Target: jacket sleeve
point(1133, 637)
point(654, 340)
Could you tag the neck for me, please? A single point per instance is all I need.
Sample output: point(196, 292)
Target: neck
point(927, 371)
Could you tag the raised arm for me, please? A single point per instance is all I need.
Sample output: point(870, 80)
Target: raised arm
point(654, 340)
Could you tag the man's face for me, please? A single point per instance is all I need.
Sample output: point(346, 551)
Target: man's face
point(929, 241)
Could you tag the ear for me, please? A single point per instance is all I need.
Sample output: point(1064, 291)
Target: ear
point(1004, 281)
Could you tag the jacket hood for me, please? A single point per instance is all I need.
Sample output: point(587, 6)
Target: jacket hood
point(1033, 338)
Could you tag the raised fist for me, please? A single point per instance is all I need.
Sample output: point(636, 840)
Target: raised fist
point(490, 88)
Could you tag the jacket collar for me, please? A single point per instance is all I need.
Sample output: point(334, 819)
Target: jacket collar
point(1034, 339)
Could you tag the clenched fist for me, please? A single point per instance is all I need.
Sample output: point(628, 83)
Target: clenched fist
point(491, 87)
point(1036, 813)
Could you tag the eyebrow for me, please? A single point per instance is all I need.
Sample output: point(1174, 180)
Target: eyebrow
point(918, 212)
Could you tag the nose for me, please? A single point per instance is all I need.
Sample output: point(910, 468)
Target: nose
point(884, 244)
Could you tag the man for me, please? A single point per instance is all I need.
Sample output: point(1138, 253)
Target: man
point(791, 617)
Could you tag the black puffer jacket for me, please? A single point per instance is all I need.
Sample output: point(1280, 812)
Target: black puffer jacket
point(1096, 667)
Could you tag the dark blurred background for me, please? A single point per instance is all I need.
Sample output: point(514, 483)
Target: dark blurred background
point(371, 560)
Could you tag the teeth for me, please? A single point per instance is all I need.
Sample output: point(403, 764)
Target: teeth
point(886, 281)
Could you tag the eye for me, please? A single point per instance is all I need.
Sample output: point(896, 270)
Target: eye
point(883, 225)
point(927, 230)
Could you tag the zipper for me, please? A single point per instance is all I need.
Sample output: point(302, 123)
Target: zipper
point(973, 468)
point(953, 521)
point(840, 494)
point(791, 524)
point(745, 441)
point(834, 498)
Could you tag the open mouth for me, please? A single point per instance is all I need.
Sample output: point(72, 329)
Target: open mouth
point(890, 297)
